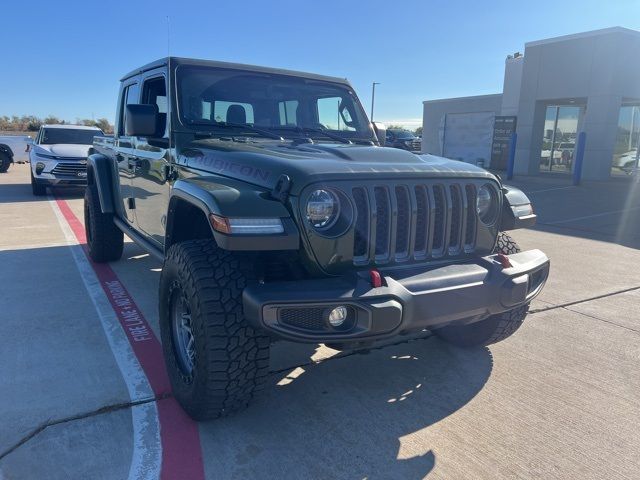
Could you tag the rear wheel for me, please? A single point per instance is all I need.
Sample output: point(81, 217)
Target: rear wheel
point(215, 360)
point(495, 328)
point(104, 239)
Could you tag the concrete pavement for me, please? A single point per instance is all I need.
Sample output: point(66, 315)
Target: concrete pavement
point(557, 400)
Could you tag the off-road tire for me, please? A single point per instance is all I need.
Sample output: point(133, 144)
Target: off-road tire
point(231, 358)
point(506, 244)
point(104, 239)
point(37, 190)
point(5, 162)
point(495, 328)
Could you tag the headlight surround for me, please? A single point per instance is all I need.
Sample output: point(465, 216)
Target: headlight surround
point(45, 155)
point(487, 204)
point(322, 209)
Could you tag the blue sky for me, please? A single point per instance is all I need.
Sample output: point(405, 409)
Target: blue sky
point(65, 57)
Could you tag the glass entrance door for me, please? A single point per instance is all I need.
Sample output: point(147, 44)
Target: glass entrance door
point(559, 140)
point(626, 155)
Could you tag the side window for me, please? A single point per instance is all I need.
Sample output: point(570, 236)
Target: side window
point(129, 96)
point(240, 112)
point(288, 112)
point(331, 116)
point(154, 92)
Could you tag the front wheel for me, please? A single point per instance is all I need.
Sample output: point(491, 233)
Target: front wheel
point(215, 360)
point(37, 190)
point(495, 328)
point(5, 162)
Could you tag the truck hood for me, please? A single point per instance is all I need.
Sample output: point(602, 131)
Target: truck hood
point(262, 163)
point(64, 150)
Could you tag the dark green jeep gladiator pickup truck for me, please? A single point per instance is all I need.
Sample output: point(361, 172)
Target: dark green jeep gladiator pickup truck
point(279, 214)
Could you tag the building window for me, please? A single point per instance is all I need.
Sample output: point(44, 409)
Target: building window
point(625, 151)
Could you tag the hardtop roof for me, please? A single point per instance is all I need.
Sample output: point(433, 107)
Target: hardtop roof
point(70, 126)
point(235, 66)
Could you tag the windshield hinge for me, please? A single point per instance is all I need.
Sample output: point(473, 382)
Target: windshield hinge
point(281, 191)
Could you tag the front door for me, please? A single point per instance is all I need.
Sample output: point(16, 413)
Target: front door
point(124, 146)
point(150, 188)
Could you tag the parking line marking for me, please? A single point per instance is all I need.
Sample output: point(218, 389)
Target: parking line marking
point(147, 455)
point(595, 215)
point(551, 189)
point(178, 435)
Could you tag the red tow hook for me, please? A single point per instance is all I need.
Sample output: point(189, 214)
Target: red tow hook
point(504, 260)
point(376, 278)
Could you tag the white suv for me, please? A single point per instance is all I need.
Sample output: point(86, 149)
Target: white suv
point(58, 156)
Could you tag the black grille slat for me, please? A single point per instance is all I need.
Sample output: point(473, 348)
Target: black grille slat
point(361, 240)
point(439, 222)
point(413, 221)
point(422, 217)
point(457, 207)
point(402, 223)
point(470, 227)
point(383, 223)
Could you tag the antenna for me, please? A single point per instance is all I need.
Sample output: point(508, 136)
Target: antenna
point(169, 109)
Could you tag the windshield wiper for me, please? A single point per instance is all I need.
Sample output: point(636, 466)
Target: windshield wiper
point(321, 131)
point(251, 128)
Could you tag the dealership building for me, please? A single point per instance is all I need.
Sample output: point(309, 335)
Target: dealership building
point(561, 87)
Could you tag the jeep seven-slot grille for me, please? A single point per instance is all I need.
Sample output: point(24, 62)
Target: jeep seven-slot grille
point(395, 223)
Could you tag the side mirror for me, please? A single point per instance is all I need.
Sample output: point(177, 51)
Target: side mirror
point(141, 120)
point(381, 132)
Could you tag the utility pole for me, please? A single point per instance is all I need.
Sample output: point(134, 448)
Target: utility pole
point(373, 97)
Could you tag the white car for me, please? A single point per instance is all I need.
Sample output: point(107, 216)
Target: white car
point(626, 162)
point(58, 156)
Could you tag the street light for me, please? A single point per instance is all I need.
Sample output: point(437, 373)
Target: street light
point(373, 97)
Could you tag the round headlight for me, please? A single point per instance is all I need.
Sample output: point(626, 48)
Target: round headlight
point(487, 204)
point(322, 209)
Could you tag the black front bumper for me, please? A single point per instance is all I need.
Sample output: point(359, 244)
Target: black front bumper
point(408, 300)
point(61, 181)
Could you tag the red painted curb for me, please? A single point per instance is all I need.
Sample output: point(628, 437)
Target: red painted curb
point(181, 450)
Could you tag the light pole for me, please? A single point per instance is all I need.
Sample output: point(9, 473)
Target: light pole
point(373, 97)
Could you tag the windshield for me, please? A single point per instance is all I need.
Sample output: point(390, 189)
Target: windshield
point(52, 136)
point(213, 98)
point(404, 134)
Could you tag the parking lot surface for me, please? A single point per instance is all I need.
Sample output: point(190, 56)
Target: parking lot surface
point(84, 392)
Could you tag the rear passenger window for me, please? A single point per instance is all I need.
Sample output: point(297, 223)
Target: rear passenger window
point(154, 92)
point(331, 116)
point(288, 112)
point(130, 96)
point(221, 111)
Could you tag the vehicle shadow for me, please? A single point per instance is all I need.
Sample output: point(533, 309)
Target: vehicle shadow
point(354, 416)
point(21, 192)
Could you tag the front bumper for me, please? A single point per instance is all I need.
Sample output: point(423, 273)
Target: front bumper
point(408, 300)
point(61, 182)
point(52, 177)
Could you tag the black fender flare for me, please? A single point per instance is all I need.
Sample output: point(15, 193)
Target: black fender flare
point(100, 172)
point(511, 219)
point(231, 198)
point(6, 149)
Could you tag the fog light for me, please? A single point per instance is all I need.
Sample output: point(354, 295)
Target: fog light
point(39, 168)
point(337, 316)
